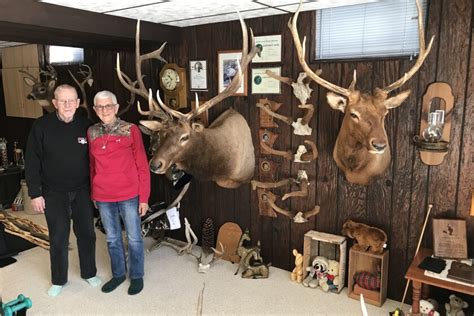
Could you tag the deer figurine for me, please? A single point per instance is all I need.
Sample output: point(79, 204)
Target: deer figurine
point(362, 151)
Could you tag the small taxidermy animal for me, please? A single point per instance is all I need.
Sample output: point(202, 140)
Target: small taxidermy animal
point(368, 238)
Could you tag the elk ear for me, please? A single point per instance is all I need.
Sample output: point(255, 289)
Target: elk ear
point(395, 101)
point(336, 101)
point(52, 84)
point(30, 82)
point(198, 127)
point(151, 125)
point(145, 130)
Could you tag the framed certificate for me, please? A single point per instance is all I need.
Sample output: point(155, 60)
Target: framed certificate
point(198, 75)
point(264, 84)
point(269, 49)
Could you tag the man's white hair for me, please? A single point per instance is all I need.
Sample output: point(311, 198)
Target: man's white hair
point(105, 94)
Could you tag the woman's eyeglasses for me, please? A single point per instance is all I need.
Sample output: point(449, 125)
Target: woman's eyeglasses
point(104, 107)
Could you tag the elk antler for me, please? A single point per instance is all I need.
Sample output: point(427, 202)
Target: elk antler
point(421, 55)
point(188, 249)
point(301, 48)
point(87, 76)
point(141, 89)
point(312, 154)
point(270, 185)
point(285, 154)
point(303, 183)
point(300, 217)
point(247, 56)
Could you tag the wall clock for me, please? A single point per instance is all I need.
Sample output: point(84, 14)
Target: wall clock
point(174, 84)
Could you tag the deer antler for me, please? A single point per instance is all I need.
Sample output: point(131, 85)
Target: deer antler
point(300, 217)
point(51, 72)
point(87, 75)
point(287, 119)
point(29, 75)
point(421, 55)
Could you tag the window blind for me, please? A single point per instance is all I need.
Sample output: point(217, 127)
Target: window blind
point(377, 29)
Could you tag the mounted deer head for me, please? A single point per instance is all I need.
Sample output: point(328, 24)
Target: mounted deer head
point(223, 152)
point(42, 89)
point(362, 151)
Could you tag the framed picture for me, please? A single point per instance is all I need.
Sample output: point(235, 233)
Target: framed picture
point(198, 75)
point(449, 238)
point(264, 84)
point(269, 49)
point(227, 62)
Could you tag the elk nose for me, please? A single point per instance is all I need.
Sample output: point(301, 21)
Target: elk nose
point(154, 167)
point(378, 146)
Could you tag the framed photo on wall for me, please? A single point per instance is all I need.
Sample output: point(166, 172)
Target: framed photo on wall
point(198, 75)
point(264, 84)
point(227, 62)
point(269, 49)
point(449, 238)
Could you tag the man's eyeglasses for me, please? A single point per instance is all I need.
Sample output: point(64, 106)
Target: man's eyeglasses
point(104, 107)
point(64, 102)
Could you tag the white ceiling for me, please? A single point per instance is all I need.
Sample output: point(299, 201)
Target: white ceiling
point(184, 13)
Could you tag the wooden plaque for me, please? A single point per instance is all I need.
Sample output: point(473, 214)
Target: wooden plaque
point(229, 235)
point(449, 238)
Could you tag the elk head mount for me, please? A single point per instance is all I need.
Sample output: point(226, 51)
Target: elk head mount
point(362, 151)
point(223, 152)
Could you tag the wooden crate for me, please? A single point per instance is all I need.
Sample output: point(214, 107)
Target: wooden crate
point(333, 247)
point(364, 261)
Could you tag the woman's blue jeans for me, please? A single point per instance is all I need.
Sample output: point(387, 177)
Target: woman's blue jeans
point(111, 212)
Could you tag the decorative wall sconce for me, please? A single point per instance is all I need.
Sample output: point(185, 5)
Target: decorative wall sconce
point(435, 127)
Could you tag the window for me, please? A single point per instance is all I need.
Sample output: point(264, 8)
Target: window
point(65, 55)
point(379, 29)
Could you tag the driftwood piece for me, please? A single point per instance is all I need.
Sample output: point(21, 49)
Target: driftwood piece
point(25, 229)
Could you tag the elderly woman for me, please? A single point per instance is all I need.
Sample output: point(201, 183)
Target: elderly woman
point(120, 188)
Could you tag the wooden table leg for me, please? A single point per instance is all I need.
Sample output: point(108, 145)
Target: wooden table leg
point(415, 305)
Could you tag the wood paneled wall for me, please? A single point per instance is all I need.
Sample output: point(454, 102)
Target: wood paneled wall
point(396, 203)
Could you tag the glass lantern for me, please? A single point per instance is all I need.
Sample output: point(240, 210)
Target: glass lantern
point(434, 131)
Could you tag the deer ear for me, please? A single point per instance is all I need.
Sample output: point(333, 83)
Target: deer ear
point(198, 127)
point(30, 82)
point(336, 101)
point(395, 101)
point(151, 125)
point(52, 84)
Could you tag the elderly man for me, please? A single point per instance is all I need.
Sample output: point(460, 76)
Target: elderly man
point(57, 174)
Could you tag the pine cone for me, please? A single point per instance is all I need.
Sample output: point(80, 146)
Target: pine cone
point(208, 240)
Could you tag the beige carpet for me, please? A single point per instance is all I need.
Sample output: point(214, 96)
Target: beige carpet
point(172, 287)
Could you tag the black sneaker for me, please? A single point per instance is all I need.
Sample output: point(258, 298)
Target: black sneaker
point(136, 286)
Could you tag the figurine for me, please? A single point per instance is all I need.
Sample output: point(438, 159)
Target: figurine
point(368, 238)
point(297, 273)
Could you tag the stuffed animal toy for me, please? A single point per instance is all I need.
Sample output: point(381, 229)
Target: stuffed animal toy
point(317, 271)
point(297, 273)
point(332, 280)
point(428, 307)
point(368, 238)
point(455, 306)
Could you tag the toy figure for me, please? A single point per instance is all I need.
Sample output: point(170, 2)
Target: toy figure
point(455, 306)
point(317, 271)
point(370, 239)
point(332, 280)
point(297, 273)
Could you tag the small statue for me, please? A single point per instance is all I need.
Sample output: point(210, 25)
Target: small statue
point(297, 273)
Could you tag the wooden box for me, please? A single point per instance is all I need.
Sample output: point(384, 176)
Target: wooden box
point(364, 261)
point(333, 247)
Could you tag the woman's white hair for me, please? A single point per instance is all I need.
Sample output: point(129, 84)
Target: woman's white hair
point(105, 94)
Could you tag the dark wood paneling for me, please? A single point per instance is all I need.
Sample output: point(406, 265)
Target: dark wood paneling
point(396, 202)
